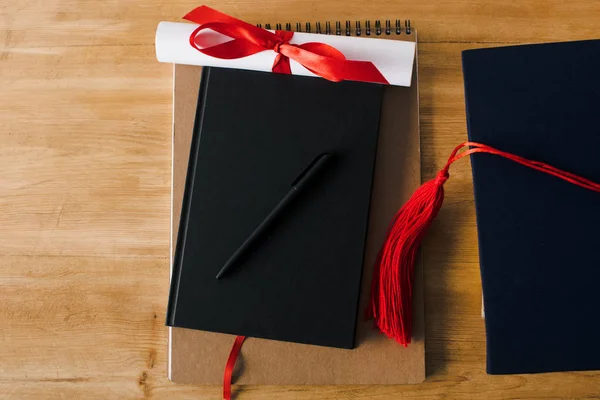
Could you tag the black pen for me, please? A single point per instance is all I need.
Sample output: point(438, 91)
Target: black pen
point(300, 183)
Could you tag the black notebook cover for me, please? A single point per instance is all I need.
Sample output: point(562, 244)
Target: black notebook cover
point(255, 132)
point(538, 236)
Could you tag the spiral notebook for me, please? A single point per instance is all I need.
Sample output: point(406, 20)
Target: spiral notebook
point(198, 356)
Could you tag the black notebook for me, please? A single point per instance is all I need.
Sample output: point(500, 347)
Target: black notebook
point(254, 134)
point(538, 235)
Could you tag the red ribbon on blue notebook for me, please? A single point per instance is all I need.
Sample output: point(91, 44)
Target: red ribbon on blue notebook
point(319, 58)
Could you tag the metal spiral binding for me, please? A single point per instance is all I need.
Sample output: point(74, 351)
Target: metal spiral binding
point(380, 29)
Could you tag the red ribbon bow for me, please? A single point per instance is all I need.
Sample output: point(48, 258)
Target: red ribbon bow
point(319, 58)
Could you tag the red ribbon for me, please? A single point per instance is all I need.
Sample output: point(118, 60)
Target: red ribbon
point(233, 355)
point(319, 58)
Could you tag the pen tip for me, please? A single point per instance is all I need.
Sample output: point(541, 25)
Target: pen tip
point(219, 275)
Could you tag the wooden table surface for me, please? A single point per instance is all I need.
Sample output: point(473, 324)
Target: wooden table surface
point(85, 130)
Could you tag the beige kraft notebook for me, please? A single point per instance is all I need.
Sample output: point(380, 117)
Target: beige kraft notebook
point(198, 357)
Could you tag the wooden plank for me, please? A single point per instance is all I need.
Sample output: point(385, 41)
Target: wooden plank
point(32, 23)
point(86, 135)
point(78, 318)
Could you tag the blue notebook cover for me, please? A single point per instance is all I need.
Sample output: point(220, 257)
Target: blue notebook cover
point(539, 237)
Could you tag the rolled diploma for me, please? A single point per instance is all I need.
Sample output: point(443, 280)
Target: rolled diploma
point(393, 58)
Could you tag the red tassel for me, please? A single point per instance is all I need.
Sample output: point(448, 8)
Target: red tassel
point(393, 274)
point(391, 290)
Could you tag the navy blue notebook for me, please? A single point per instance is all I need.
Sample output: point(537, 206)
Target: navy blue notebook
point(539, 237)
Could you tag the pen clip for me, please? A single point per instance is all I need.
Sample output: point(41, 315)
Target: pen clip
point(320, 159)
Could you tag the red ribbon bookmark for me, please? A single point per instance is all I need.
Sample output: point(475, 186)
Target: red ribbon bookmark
point(233, 356)
point(319, 58)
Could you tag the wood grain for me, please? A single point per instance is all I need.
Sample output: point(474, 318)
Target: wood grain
point(85, 124)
